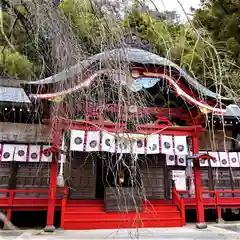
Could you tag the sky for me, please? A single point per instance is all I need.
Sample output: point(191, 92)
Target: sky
point(174, 5)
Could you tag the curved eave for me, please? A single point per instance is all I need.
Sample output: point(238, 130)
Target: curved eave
point(203, 92)
point(232, 112)
point(129, 55)
point(86, 83)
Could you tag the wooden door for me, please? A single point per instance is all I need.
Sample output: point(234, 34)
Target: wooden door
point(122, 199)
point(236, 180)
point(82, 180)
point(5, 173)
point(222, 180)
point(152, 174)
point(206, 178)
point(33, 176)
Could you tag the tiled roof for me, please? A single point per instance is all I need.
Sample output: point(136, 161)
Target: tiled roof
point(13, 94)
point(232, 110)
point(10, 82)
point(131, 55)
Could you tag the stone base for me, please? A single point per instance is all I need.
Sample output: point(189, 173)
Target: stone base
point(9, 226)
point(49, 229)
point(201, 225)
point(220, 220)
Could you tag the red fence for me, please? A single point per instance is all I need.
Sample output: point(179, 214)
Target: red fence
point(177, 200)
point(213, 199)
point(12, 203)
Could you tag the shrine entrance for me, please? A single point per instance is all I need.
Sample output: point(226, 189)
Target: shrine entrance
point(126, 181)
point(154, 177)
point(81, 175)
point(116, 171)
point(92, 175)
point(121, 170)
point(122, 183)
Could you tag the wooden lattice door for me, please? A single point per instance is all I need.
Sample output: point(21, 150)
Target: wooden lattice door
point(206, 179)
point(82, 182)
point(152, 174)
point(5, 173)
point(222, 179)
point(33, 176)
point(236, 180)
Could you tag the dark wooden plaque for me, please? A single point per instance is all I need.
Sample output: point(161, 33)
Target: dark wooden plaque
point(27, 133)
point(218, 140)
point(126, 199)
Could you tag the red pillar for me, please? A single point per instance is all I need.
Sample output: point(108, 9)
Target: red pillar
point(53, 185)
point(198, 186)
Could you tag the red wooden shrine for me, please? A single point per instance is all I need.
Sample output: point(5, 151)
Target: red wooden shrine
point(95, 131)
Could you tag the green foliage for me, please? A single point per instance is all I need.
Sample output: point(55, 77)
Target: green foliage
point(14, 64)
point(83, 20)
point(93, 30)
point(192, 50)
point(221, 19)
point(18, 60)
point(175, 41)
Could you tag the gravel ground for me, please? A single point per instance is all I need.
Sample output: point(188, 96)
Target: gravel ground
point(214, 231)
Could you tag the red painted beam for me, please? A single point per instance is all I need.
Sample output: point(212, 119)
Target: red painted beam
point(141, 129)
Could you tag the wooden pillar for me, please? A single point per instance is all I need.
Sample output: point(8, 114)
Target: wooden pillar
point(63, 208)
point(52, 196)
point(198, 187)
point(53, 184)
point(218, 208)
point(12, 183)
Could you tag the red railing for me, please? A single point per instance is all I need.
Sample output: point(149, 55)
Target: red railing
point(177, 200)
point(211, 194)
point(215, 199)
point(10, 202)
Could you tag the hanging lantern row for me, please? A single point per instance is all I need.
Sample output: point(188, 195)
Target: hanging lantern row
point(14, 109)
point(223, 122)
point(209, 121)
